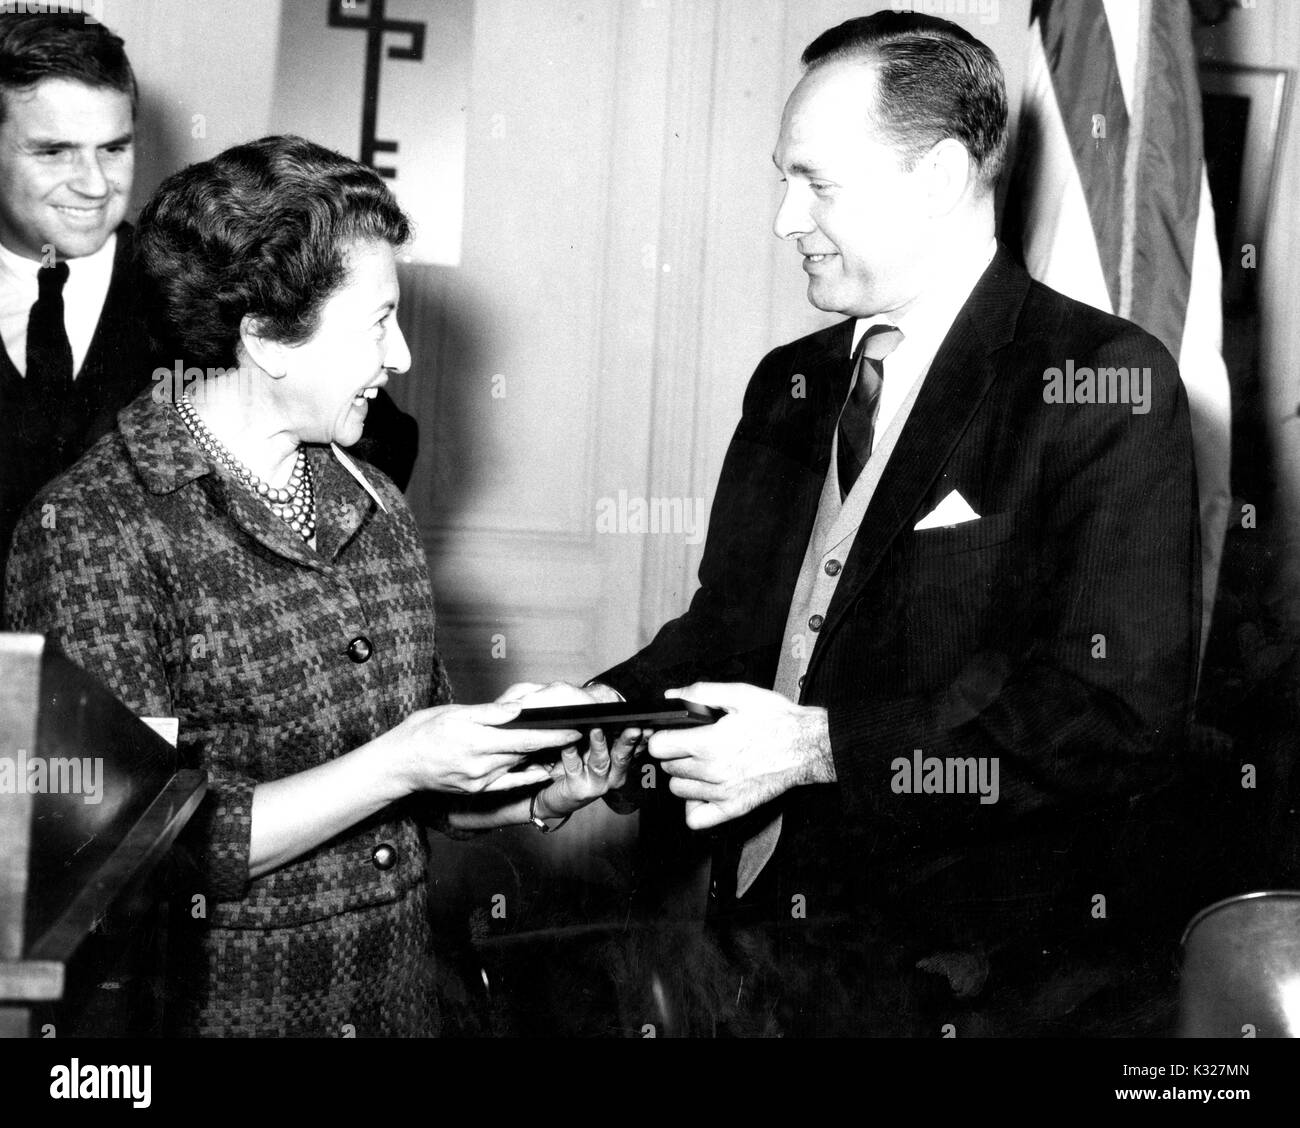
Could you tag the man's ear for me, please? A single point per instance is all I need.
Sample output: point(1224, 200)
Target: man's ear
point(263, 351)
point(949, 174)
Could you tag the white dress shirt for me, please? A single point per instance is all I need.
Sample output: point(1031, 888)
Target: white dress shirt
point(83, 300)
point(924, 327)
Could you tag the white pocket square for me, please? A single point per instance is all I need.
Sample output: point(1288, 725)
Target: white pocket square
point(952, 510)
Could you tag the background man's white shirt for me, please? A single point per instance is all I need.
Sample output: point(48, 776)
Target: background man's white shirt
point(83, 300)
point(924, 327)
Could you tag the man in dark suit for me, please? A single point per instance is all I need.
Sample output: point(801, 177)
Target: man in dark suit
point(947, 599)
point(75, 347)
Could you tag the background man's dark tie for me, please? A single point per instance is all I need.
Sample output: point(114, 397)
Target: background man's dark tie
point(49, 355)
point(858, 419)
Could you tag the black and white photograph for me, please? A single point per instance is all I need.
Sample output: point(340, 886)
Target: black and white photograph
point(592, 521)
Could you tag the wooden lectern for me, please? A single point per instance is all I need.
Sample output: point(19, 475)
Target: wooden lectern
point(91, 799)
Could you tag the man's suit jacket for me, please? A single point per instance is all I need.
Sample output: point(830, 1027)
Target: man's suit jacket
point(40, 437)
point(1055, 634)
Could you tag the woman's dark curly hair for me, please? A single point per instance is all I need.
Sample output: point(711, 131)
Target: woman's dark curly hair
point(261, 229)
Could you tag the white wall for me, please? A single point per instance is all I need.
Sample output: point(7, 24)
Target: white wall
point(206, 73)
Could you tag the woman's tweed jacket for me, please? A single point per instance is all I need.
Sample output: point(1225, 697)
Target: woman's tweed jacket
point(182, 593)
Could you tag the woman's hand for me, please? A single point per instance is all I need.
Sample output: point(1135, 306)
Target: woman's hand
point(580, 778)
point(534, 695)
point(456, 749)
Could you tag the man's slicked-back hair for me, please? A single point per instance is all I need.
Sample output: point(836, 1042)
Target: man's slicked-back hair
point(34, 48)
point(262, 229)
point(934, 80)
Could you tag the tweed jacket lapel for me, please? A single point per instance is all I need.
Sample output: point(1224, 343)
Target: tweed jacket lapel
point(958, 379)
point(342, 504)
point(168, 459)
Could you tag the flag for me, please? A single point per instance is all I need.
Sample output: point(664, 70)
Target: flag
point(1112, 203)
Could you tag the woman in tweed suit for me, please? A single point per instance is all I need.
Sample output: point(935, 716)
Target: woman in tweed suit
point(219, 558)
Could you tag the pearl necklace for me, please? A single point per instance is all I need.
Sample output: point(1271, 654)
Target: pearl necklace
point(295, 504)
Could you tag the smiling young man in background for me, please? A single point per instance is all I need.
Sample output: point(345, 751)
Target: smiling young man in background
point(74, 345)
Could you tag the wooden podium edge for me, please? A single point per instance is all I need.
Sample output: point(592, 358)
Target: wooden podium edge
point(39, 975)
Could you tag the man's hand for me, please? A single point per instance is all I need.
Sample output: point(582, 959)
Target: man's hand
point(763, 747)
point(587, 769)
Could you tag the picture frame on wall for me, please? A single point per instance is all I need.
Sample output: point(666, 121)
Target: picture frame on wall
point(387, 84)
point(1244, 111)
